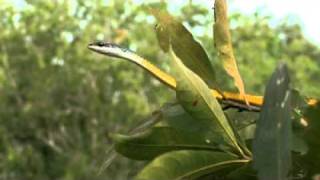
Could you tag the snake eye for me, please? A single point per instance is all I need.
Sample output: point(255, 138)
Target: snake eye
point(100, 43)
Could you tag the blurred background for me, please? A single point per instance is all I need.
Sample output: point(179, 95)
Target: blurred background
point(59, 102)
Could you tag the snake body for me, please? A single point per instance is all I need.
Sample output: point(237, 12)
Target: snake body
point(113, 50)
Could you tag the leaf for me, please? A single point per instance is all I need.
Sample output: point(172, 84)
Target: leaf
point(176, 131)
point(172, 32)
point(298, 144)
point(195, 97)
point(223, 44)
point(112, 153)
point(157, 141)
point(187, 164)
point(244, 122)
point(311, 136)
point(273, 133)
point(244, 172)
point(177, 117)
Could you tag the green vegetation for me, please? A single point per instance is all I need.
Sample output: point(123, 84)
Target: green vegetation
point(61, 104)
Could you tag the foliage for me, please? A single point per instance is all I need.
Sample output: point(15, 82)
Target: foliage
point(58, 106)
point(171, 159)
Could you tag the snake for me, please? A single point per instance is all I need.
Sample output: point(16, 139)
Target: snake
point(233, 99)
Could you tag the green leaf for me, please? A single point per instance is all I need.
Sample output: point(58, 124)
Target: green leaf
point(244, 122)
point(187, 164)
point(177, 130)
point(177, 117)
point(146, 124)
point(244, 172)
point(195, 97)
point(157, 141)
point(223, 43)
point(271, 146)
point(298, 144)
point(311, 136)
point(172, 32)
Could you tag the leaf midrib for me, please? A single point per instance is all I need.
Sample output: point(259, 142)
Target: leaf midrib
point(175, 146)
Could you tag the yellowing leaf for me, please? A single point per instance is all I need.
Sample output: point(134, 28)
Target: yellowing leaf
point(223, 44)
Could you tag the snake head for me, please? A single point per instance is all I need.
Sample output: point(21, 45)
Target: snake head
point(114, 50)
point(108, 48)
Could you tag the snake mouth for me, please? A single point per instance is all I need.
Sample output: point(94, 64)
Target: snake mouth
point(112, 51)
point(93, 47)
